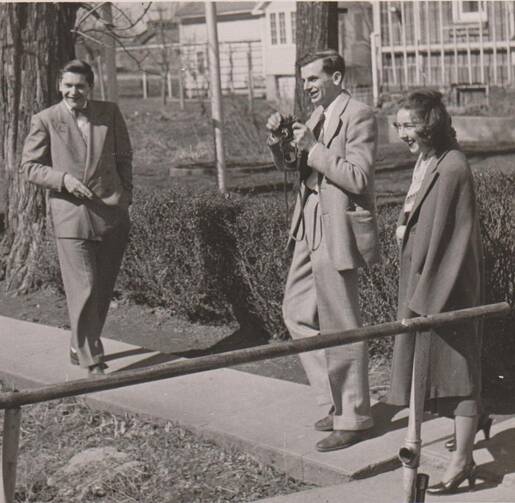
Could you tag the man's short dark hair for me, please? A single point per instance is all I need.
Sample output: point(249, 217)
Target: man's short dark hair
point(332, 61)
point(80, 67)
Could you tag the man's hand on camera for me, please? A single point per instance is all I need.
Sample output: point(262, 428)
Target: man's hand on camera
point(76, 187)
point(273, 124)
point(303, 137)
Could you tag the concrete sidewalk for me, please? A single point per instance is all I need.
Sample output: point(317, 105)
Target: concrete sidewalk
point(269, 418)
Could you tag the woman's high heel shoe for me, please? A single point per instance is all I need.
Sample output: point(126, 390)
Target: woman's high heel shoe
point(468, 473)
point(485, 424)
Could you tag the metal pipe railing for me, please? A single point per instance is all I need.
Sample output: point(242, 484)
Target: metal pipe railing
point(230, 358)
point(11, 401)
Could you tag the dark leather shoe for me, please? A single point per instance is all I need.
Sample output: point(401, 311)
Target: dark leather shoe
point(326, 423)
point(451, 486)
point(340, 439)
point(74, 357)
point(97, 369)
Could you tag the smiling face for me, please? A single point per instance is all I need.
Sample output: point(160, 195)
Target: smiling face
point(75, 89)
point(321, 87)
point(407, 124)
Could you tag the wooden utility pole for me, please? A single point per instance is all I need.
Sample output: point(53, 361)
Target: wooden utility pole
point(110, 54)
point(250, 79)
point(216, 93)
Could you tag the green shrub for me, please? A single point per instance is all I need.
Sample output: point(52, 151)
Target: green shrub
point(260, 235)
point(495, 196)
point(378, 285)
point(215, 260)
point(169, 261)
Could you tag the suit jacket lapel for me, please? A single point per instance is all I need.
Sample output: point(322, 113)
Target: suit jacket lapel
point(427, 183)
point(68, 130)
point(97, 135)
point(331, 127)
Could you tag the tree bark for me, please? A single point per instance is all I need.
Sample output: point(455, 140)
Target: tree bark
point(35, 40)
point(316, 30)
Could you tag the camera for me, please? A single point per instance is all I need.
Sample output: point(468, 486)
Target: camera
point(285, 134)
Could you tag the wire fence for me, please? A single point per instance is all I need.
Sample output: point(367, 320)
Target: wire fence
point(151, 70)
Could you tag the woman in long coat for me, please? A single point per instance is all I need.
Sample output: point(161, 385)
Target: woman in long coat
point(440, 270)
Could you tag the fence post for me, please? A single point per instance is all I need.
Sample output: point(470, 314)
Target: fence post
point(169, 84)
point(11, 438)
point(181, 89)
point(144, 85)
point(250, 80)
point(375, 78)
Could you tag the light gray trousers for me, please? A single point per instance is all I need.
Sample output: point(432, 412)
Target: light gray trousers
point(89, 270)
point(319, 299)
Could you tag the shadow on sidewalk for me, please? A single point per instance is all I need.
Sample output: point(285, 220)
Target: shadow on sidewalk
point(502, 449)
point(383, 414)
point(240, 339)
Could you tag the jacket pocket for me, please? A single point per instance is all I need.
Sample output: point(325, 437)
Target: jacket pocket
point(364, 228)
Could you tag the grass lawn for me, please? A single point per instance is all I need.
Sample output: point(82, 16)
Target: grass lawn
point(72, 453)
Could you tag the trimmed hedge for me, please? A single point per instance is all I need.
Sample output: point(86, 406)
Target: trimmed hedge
point(214, 260)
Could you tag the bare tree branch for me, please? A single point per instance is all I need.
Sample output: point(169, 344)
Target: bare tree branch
point(90, 11)
point(136, 21)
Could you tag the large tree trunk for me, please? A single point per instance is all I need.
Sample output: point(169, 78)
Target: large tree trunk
point(316, 30)
point(35, 40)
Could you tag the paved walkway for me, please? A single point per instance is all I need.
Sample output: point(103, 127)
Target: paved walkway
point(271, 419)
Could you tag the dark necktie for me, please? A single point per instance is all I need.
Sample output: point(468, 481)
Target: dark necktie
point(319, 127)
point(304, 169)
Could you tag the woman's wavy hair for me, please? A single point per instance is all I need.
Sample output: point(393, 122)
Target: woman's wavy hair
point(437, 128)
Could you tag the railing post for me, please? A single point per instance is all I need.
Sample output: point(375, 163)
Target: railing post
point(11, 438)
point(410, 453)
point(144, 85)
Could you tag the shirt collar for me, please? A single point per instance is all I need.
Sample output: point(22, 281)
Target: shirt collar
point(330, 109)
point(84, 108)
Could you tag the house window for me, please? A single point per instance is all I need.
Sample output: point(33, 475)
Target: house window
point(293, 27)
point(282, 27)
point(273, 28)
point(468, 12)
point(201, 62)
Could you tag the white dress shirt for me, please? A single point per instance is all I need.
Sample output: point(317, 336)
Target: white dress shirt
point(312, 180)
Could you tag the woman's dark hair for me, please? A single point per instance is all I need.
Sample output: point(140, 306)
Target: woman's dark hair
point(80, 67)
point(437, 127)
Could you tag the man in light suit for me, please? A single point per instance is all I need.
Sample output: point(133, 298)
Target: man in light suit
point(80, 150)
point(333, 233)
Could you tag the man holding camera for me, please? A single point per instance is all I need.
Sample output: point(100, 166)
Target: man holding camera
point(333, 233)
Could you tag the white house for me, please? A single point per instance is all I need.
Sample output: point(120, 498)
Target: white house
point(240, 41)
point(277, 29)
point(264, 33)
